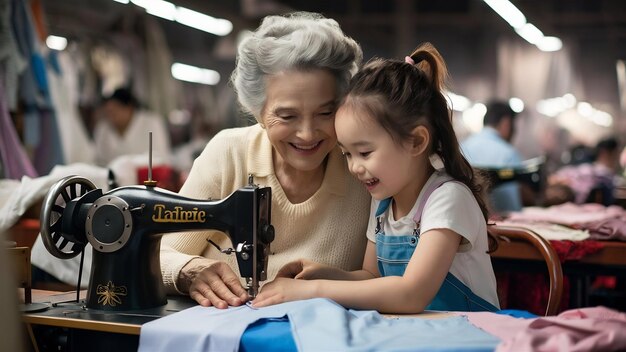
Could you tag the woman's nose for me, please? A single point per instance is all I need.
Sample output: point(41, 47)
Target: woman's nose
point(306, 130)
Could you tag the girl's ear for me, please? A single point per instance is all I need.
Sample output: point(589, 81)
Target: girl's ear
point(421, 140)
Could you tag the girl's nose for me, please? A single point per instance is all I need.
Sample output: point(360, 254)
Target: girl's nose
point(356, 167)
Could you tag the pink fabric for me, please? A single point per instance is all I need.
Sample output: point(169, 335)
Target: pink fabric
point(569, 213)
point(585, 329)
point(584, 177)
point(603, 223)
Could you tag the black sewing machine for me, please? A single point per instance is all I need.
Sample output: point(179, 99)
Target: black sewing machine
point(125, 225)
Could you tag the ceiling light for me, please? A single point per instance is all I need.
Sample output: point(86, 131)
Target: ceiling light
point(511, 14)
point(159, 8)
point(56, 43)
point(194, 74)
point(203, 22)
point(473, 117)
point(549, 44)
point(457, 102)
point(516, 104)
point(529, 32)
point(182, 15)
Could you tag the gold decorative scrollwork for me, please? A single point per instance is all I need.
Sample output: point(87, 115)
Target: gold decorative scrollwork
point(110, 294)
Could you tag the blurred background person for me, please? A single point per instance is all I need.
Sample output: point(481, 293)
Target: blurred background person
point(124, 130)
point(593, 181)
point(491, 148)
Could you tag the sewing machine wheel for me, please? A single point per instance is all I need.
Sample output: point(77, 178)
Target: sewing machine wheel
point(65, 190)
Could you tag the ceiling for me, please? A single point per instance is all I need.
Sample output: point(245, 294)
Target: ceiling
point(465, 31)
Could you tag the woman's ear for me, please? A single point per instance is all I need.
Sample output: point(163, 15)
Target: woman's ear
point(421, 140)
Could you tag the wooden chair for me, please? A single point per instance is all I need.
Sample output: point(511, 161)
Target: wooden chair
point(505, 235)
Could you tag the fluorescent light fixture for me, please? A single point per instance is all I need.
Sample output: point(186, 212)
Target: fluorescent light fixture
point(162, 9)
point(554, 106)
point(56, 43)
point(457, 102)
point(159, 8)
point(529, 32)
point(516, 104)
point(182, 15)
point(473, 117)
point(203, 22)
point(194, 74)
point(549, 44)
point(511, 14)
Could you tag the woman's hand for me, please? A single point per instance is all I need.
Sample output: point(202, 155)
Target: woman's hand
point(217, 285)
point(284, 290)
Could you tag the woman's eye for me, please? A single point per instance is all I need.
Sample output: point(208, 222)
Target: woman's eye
point(286, 117)
point(327, 113)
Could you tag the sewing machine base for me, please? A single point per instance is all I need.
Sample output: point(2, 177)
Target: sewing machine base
point(72, 327)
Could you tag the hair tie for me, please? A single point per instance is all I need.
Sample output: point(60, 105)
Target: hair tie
point(409, 60)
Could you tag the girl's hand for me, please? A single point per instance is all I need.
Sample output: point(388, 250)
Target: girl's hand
point(284, 290)
point(304, 269)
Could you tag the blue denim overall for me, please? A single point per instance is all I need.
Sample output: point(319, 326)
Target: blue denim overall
point(394, 252)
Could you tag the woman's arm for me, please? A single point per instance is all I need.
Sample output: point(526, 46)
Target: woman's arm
point(410, 293)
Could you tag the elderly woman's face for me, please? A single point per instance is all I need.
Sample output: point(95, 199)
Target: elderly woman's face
point(299, 116)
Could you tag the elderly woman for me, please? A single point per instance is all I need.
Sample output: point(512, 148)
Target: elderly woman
point(290, 75)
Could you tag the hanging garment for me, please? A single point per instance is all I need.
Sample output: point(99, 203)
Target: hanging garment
point(15, 162)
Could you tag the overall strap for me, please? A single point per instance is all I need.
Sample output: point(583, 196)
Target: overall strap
point(427, 192)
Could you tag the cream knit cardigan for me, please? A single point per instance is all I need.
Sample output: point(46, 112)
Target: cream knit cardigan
point(328, 228)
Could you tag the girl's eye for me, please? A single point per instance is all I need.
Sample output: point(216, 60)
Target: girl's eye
point(327, 113)
point(346, 154)
point(365, 154)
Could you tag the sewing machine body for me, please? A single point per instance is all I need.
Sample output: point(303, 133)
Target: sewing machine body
point(125, 226)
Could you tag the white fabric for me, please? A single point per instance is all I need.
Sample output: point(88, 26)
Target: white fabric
point(16, 197)
point(452, 206)
point(135, 140)
point(32, 190)
point(550, 231)
point(77, 146)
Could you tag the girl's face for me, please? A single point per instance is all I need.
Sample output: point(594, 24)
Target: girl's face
point(384, 167)
point(299, 116)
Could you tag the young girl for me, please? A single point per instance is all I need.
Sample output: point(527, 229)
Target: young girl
point(427, 230)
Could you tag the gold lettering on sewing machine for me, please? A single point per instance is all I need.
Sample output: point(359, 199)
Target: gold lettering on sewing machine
point(178, 214)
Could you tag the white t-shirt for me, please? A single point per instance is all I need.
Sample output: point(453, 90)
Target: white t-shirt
point(110, 145)
point(451, 206)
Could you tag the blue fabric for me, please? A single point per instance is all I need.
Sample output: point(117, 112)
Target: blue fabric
point(487, 149)
point(393, 254)
point(326, 326)
point(277, 331)
point(516, 313)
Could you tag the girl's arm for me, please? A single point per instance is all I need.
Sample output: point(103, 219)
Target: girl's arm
point(410, 293)
point(309, 270)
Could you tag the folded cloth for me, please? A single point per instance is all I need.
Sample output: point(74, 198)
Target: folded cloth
point(548, 230)
point(316, 325)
